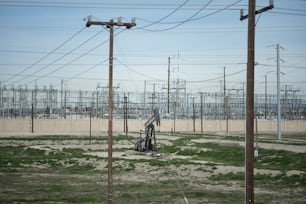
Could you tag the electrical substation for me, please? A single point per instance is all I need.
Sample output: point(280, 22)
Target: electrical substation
point(48, 102)
point(83, 122)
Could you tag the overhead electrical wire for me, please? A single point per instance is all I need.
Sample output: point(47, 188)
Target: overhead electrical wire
point(71, 61)
point(288, 13)
point(82, 78)
point(290, 9)
point(86, 70)
point(132, 6)
point(181, 22)
point(6, 51)
point(99, 4)
point(192, 18)
point(105, 5)
point(165, 17)
point(210, 81)
point(47, 55)
point(153, 23)
point(139, 73)
point(222, 9)
point(58, 59)
point(219, 77)
point(213, 13)
point(286, 66)
point(75, 59)
point(226, 7)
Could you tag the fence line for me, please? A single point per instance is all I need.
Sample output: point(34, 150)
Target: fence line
point(135, 125)
point(53, 103)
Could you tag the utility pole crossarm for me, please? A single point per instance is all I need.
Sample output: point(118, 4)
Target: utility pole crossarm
point(271, 6)
point(110, 23)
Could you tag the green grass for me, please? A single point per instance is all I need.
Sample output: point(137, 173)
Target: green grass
point(54, 138)
point(227, 177)
point(80, 169)
point(50, 187)
point(225, 154)
point(234, 155)
point(70, 176)
point(12, 158)
point(169, 148)
point(16, 158)
point(281, 160)
point(281, 180)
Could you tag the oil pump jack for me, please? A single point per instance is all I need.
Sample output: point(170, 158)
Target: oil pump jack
point(145, 145)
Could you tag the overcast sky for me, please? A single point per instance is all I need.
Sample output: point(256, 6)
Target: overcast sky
point(44, 41)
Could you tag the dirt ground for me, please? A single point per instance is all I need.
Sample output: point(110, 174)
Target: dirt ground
point(183, 177)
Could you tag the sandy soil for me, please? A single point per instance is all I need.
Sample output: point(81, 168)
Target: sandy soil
point(197, 174)
point(273, 146)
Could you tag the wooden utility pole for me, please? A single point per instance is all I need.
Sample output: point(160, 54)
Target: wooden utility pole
point(249, 144)
point(201, 112)
point(32, 115)
point(32, 118)
point(125, 115)
point(224, 94)
point(90, 113)
point(225, 102)
point(168, 111)
point(174, 116)
point(193, 115)
point(110, 24)
point(266, 98)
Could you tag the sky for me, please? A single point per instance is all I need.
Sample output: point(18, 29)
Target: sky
point(44, 42)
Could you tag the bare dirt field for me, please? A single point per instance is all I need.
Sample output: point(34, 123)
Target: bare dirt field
point(191, 168)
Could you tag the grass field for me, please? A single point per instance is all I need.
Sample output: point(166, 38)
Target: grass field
point(201, 168)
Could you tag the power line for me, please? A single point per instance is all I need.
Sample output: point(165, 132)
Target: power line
point(287, 13)
point(71, 61)
point(24, 51)
point(152, 64)
point(289, 9)
point(85, 71)
point(163, 18)
point(75, 59)
point(58, 59)
point(83, 78)
point(105, 5)
point(47, 55)
point(286, 66)
point(139, 73)
point(222, 9)
point(219, 77)
point(197, 18)
point(132, 6)
point(182, 22)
